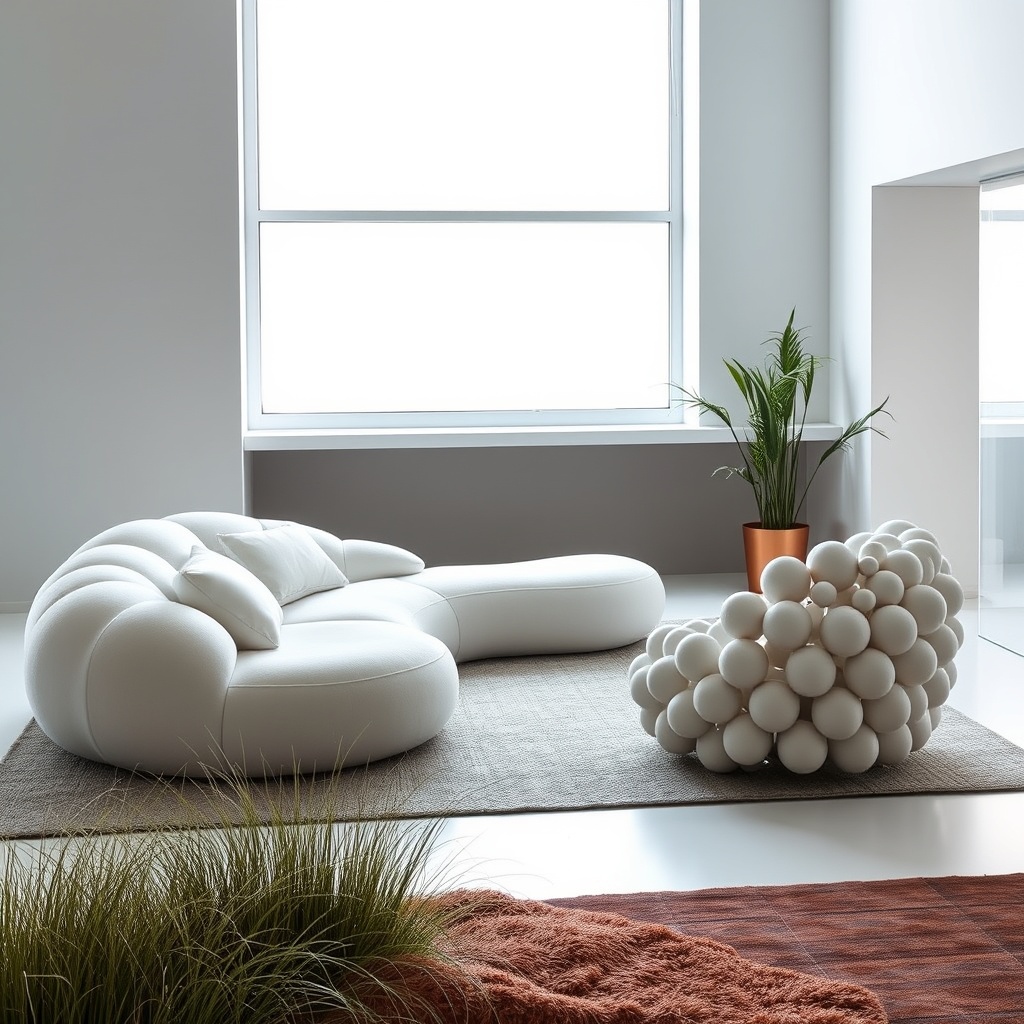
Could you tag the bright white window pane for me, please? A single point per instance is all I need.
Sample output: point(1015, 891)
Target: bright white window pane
point(1001, 307)
point(406, 317)
point(463, 104)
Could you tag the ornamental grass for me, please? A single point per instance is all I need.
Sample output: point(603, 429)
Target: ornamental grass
point(289, 922)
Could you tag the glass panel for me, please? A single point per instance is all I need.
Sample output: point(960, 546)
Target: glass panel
point(1001, 354)
point(463, 105)
point(396, 317)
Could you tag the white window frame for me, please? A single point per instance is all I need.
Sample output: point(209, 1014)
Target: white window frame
point(260, 422)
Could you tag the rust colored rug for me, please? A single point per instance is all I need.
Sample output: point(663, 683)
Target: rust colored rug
point(934, 950)
point(528, 962)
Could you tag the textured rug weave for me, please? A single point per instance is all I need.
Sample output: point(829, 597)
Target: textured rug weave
point(530, 734)
point(934, 950)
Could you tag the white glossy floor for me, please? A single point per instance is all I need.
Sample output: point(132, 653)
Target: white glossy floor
point(566, 854)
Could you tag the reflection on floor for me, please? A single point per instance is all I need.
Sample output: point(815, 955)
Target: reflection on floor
point(566, 854)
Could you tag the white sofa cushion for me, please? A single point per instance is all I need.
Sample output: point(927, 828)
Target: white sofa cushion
point(286, 559)
point(233, 596)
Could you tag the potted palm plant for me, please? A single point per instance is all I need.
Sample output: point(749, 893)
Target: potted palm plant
point(776, 396)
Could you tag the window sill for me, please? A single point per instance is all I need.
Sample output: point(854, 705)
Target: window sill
point(502, 437)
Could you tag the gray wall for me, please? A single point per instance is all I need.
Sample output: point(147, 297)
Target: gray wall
point(762, 249)
point(515, 503)
point(119, 286)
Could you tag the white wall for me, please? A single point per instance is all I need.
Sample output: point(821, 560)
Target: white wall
point(924, 331)
point(119, 312)
point(924, 92)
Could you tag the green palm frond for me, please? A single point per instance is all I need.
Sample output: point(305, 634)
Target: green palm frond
point(776, 396)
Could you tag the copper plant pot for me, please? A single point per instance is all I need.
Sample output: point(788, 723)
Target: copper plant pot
point(761, 546)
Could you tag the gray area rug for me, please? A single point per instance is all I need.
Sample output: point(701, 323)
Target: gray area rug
point(531, 734)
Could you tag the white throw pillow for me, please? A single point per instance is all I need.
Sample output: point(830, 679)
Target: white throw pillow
point(233, 596)
point(286, 559)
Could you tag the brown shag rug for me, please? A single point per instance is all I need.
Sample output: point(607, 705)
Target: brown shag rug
point(527, 962)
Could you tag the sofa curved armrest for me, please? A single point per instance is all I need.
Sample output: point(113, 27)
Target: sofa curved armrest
point(115, 673)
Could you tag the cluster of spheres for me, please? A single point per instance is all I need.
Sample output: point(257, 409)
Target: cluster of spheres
point(846, 657)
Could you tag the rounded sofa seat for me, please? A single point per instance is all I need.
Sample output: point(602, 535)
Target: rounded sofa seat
point(397, 688)
point(126, 665)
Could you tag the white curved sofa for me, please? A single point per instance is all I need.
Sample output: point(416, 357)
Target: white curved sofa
point(211, 640)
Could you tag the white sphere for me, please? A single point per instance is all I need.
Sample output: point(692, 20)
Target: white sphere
point(944, 642)
point(872, 549)
point(787, 624)
point(958, 630)
point(715, 700)
point(833, 562)
point(935, 714)
point(927, 606)
point(920, 731)
point(917, 665)
point(918, 701)
point(894, 527)
point(886, 586)
point(773, 706)
point(949, 587)
point(669, 739)
point(699, 625)
point(674, 638)
point(837, 715)
point(639, 692)
point(801, 748)
point(656, 640)
point(870, 674)
point(856, 754)
point(888, 540)
point(950, 670)
point(857, 541)
point(844, 632)
point(823, 593)
point(719, 632)
point(916, 533)
point(929, 555)
point(810, 671)
point(743, 663)
point(785, 579)
point(745, 742)
point(683, 717)
point(863, 600)
point(777, 657)
point(893, 629)
point(642, 660)
point(937, 689)
point(896, 746)
point(742, 615)
point(889, 712)
point(697, 656)
point(868, 565)
point(711, 753)
point(906, 565)
point(664, 680)
point(649, 721)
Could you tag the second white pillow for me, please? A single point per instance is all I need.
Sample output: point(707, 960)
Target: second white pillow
point(286, 559)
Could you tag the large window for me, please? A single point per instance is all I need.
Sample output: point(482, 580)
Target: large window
point(462, 212)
